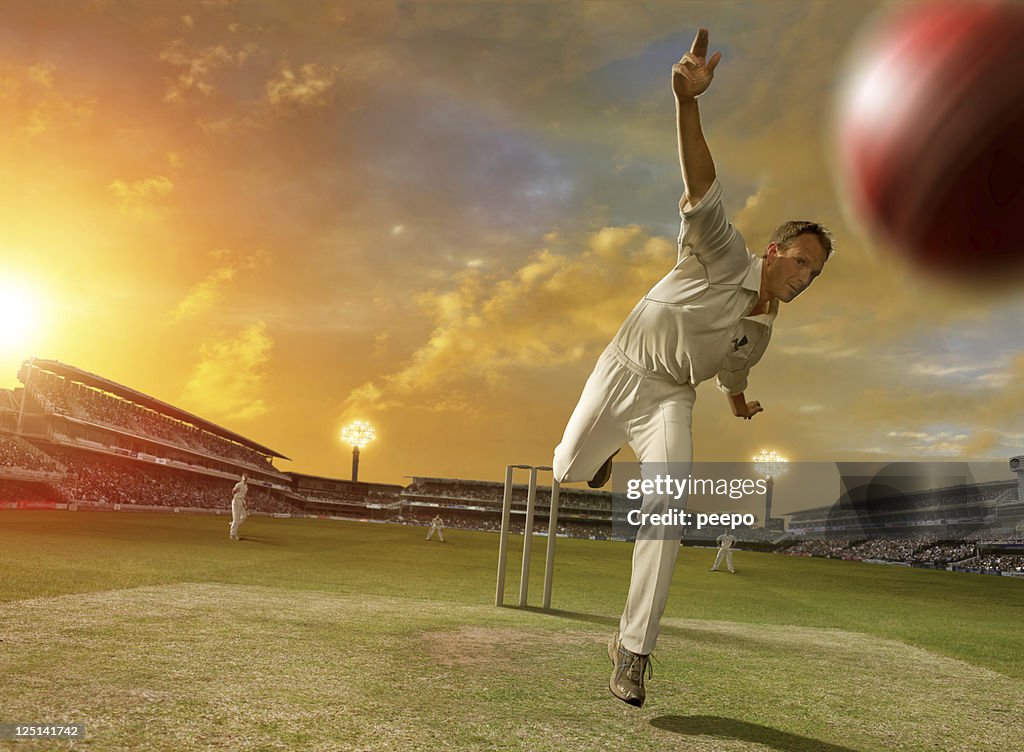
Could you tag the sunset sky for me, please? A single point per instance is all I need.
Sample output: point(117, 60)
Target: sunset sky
point(285, 215)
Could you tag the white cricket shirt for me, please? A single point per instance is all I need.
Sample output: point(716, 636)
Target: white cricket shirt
point(693, 324)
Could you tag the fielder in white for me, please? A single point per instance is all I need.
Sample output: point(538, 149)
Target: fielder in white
point(724, 541)
point(711, 315)
point(436, 525)
point(239, 513)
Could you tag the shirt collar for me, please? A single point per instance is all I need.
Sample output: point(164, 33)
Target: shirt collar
point(752, 282)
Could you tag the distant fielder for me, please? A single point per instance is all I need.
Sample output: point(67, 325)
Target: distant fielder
point(238, 511)
point(724, 541)
point(436, 525)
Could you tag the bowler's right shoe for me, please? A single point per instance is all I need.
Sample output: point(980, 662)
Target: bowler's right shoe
point(603, 474)
point(627, 682)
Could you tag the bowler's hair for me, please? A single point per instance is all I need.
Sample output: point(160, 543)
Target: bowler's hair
point(786, 233)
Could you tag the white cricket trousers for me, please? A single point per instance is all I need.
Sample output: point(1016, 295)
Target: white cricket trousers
point(238, 516)
point(438, 530)
point(723, 552)
point(623, 403)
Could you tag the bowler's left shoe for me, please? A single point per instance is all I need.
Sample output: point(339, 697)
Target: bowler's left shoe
point(628, 669)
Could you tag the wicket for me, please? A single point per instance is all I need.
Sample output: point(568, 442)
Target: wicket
point(506, 510)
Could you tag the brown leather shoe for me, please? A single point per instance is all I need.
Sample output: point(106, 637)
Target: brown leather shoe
point(627, 682)
point(603, 474)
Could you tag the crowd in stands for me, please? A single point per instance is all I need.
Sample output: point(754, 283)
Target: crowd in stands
point(1008, 533)
point(923, 549)
point(440, 488)
point(480, 493)
point(1000, 563)
point(344, 495)
point(945, 553)
point(828, 549)
point(17, 453)
point(516, 524)
point(56, 395)
point(884, 549)
point(11, 490)
point(961, 513)
point(741, 533)
point(114, 480)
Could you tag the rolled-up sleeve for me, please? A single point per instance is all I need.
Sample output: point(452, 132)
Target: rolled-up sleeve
point(747, 353)
point(733, 382)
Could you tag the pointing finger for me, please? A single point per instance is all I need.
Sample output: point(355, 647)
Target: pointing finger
point(700, 43)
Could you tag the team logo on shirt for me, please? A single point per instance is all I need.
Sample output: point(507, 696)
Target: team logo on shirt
point(738, 343)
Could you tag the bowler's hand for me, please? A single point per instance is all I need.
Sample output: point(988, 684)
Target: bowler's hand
point(746, 410)
point(692, 75)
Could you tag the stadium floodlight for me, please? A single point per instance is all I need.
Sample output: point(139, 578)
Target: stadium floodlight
point(358, 433)
point(770, 465)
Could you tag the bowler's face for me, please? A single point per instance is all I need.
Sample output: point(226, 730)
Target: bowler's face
point(791, 271)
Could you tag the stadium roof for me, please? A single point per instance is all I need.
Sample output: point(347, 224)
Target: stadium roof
point(98, 382)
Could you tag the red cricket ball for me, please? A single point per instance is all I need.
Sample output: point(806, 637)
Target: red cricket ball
point(931, 135)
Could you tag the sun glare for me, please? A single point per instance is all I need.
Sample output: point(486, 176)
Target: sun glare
point(20, 316)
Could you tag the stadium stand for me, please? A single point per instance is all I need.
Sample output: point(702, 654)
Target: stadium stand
point(14, 492)
point(953, 513)
point(1002, 564)
point(17, 453)
point(99, 443)
point(74, 439)
point(75, 403)
point(478, 504)
point(97, 478)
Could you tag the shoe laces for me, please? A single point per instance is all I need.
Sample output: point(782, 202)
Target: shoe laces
point(638, 666)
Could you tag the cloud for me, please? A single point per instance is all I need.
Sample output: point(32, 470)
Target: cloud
point(231, 124)
point(197, 68)
point(308, 87)
point(210, 291)
point(34, 104)
point(557, 308)
point(141, 198)
point(204, 295)
point(229, 378)
point(982, 442)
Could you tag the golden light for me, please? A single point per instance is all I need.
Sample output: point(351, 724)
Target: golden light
point(770, 464)
point(20, 315)
point(358, 433)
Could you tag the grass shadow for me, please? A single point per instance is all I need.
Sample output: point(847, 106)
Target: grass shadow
point(262, 540)
point(730, 728)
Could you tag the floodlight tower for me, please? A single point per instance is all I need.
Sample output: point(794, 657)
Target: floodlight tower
point(358, 433)
point(770, 465)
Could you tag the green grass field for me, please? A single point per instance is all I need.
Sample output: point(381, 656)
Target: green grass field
point(158, 633)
